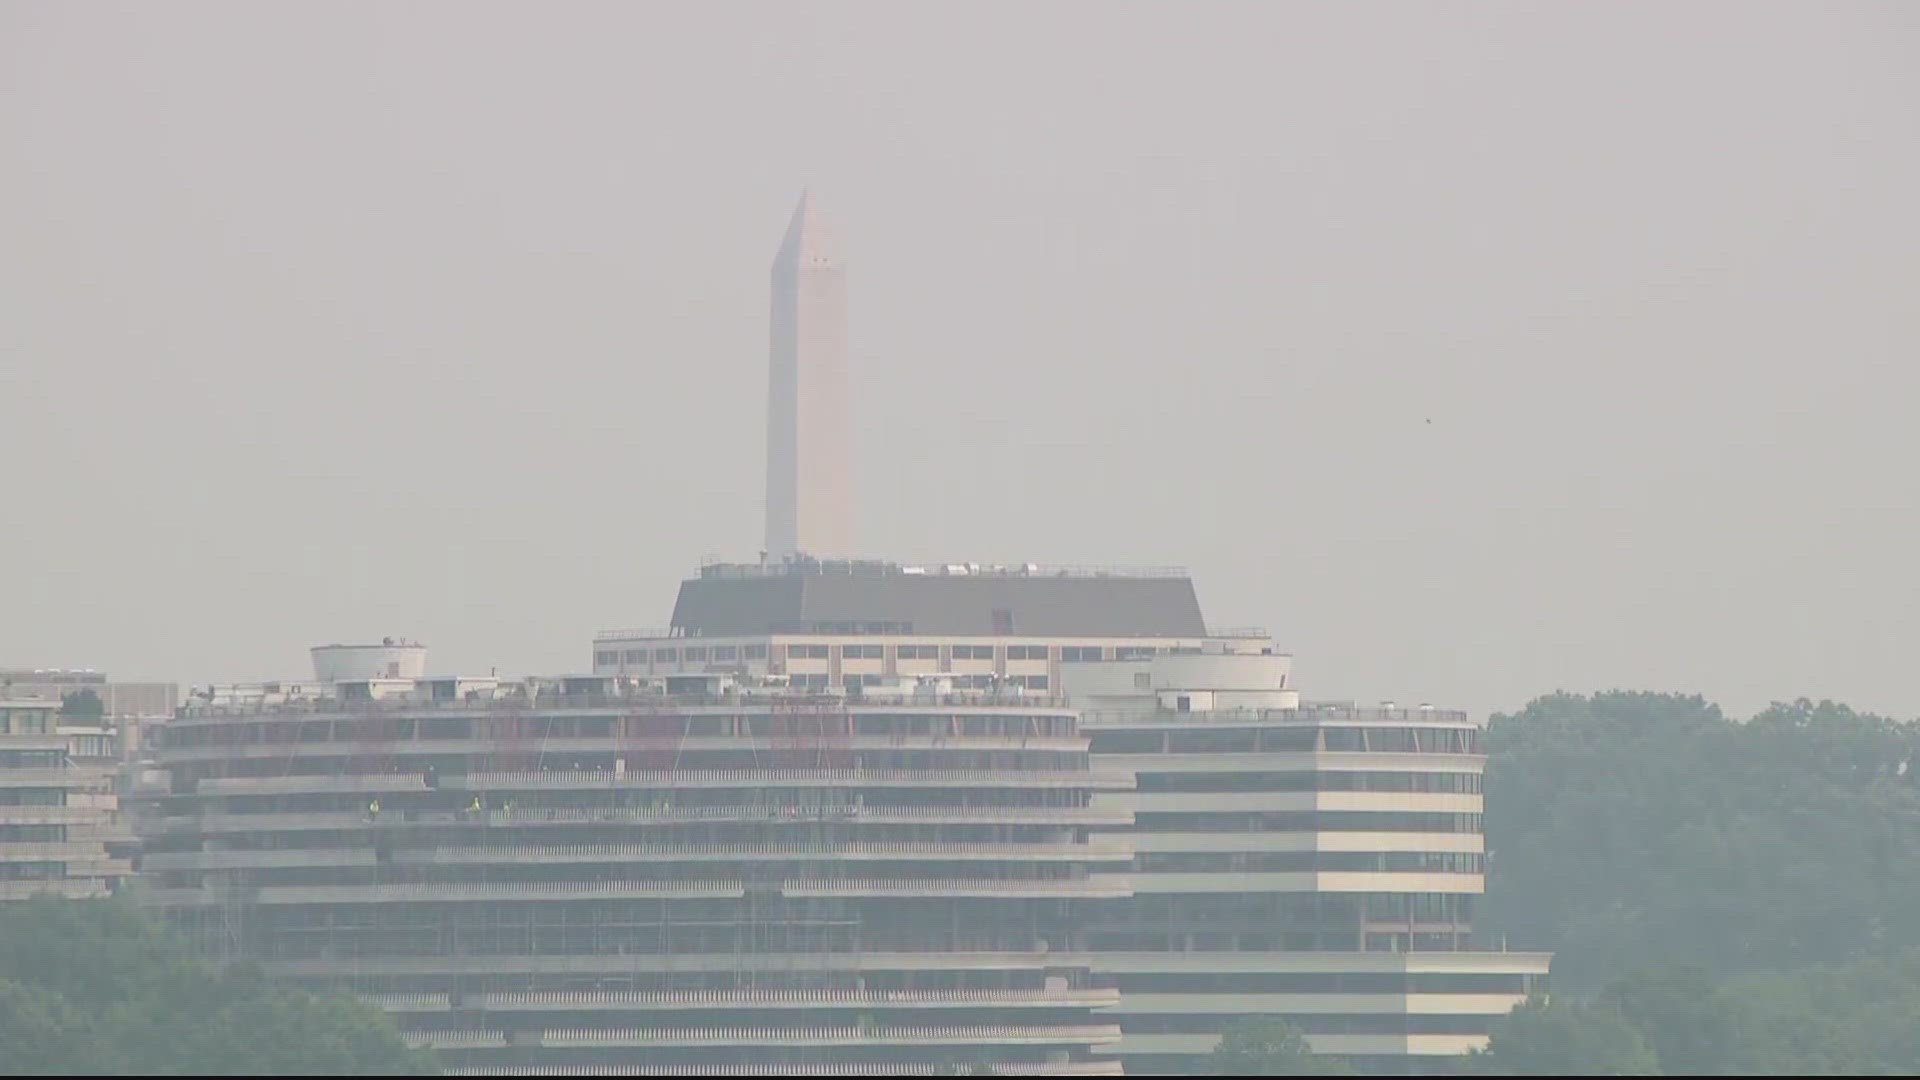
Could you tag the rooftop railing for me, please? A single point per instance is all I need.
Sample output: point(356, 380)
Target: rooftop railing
point(746, 699)
point(1305, 714)
point(808, 567)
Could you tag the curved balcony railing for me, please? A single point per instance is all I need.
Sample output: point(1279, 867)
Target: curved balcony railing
point(797, 777)
point(1104, 886)
point(1070, 1034)
point(261, 858)
point(860, 1068)
point(461, 892)
point(674, 815)
point(727, 999)
point(517, 853)
point(408, 1003)
point(369, 783)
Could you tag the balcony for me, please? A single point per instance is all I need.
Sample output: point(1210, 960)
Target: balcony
point(323, 821)
point(974, 1035)
point(760, 778)
point(453, 893)
point(862, 1068)
point(1103, 887)
point(608, 853)
point(696, 1000)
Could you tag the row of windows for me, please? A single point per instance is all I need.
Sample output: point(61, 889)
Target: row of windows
point(720, 654)
point(758, 979)
point(540, 729)
point(1391, 862)
point(960, 682)
point(1291, 738)
point(1321, 908)
point(26, 721)
point(811, 651)
point(1392, 1023)
point(32, 834)
point(1321, 821)
point(32, 871)
point(1331, 983)
point(638, 941)
point(1402, 782)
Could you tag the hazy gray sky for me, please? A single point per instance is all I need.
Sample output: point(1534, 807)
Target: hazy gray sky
point(331, 321)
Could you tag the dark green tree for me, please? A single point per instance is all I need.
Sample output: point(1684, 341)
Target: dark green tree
point(1630, 831)
point(1541, 1039)
point(1269, 1046)
point(94, 987)
point(82, 704)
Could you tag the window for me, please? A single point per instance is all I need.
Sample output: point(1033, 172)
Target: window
point(806, 652)
point(1343, 739)
point(725, 652)
point(697, 652)
point(1285, 739)
point(973, 652)
point(636, 656)
point(753, 652)
point(1031, 682)
point(1133, 652)
point(666, 656)
point(917, 652)
point(1082, 652)
point(1026, 652)
point(861, 652)
point(606, 657)
point(1127, 742)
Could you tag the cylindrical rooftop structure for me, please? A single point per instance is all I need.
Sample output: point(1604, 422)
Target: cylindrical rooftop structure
point(391, 659)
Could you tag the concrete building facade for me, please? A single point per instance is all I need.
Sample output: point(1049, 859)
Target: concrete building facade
point(61, 833)
point(705, 875)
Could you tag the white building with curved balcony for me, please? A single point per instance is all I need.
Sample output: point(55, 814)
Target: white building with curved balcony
point(1316, 863)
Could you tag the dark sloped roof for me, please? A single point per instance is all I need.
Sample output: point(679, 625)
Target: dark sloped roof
point(1038, 605)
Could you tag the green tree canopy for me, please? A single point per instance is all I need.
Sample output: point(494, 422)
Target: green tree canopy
point(1539, 1039)
point(93, 987)
point(1630, 831)
point(82, 704)
point(1269, 1046)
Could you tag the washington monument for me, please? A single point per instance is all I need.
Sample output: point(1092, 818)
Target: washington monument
point(809, 479)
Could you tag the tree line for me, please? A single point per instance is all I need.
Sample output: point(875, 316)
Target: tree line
point(1721, 897)
point(94, 987)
